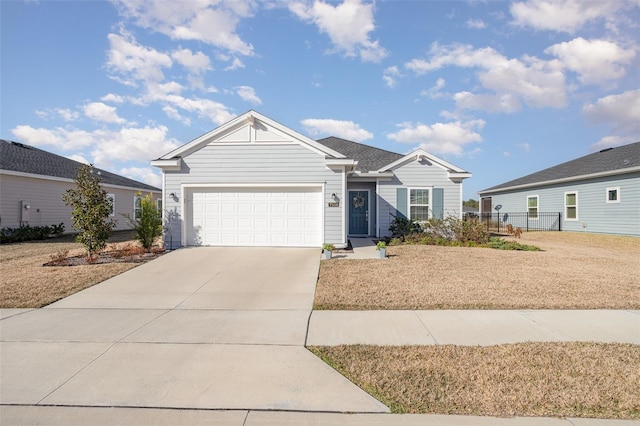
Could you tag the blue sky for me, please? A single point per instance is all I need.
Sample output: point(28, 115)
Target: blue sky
point(501, 89)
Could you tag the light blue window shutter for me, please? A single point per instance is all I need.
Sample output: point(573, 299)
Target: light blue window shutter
point(438, 202)
point(401, 202)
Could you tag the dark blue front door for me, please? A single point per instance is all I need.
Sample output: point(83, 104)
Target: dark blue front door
point(358, 212)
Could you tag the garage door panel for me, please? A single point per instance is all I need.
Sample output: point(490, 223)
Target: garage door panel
point(256, 217)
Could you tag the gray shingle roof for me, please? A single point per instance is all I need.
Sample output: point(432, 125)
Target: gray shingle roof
point(607, 160)
point(368, 157)
point(23, 158)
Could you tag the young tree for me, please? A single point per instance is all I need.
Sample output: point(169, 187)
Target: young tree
point(148, 222)
point(90, 210)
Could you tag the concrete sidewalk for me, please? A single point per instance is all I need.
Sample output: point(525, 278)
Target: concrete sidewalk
point(471, 327)
point(96, 416)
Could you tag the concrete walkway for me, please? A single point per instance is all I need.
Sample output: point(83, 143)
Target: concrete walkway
point(362, 248)
point(468, 327)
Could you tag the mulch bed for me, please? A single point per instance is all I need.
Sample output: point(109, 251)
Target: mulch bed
point(105, 257)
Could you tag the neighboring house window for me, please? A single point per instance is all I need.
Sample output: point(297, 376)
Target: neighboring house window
point(571, 205)
point(111, 199)
point(159, 206)
point(532, 206)
point(613, 195)
point(419, 204)
point(137, 209)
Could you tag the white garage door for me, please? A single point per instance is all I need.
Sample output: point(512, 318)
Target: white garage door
point(256, 217)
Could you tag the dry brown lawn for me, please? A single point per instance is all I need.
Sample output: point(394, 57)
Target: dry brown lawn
point(574, 271)
point(529, 379)
point(25, 283)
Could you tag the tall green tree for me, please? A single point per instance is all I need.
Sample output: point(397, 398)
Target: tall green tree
point(91, 210)
point(148, 222)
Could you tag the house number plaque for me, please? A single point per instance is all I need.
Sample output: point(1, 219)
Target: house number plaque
point(336, 204)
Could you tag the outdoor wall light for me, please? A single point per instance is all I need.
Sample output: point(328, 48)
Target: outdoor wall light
point(173, 196)
point(334, 197)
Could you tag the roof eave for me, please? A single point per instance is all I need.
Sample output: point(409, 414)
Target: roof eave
point(170, 164)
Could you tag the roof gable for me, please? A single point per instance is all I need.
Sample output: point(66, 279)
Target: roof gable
point(21, 158)
point(250, 127)
point(610, 161)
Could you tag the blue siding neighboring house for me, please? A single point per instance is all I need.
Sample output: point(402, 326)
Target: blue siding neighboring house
point(255, 182)
point(598, 193)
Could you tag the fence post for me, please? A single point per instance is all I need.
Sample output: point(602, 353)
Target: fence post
point(559, 222)
point(527, 221)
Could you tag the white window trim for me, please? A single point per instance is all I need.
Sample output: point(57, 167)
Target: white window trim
point(566, 216)
point(113, 203)
point(136, 197)
point(429, 213)
point(606, 195)
point(537, 197)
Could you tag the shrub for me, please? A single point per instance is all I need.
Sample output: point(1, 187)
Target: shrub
point(452, 229)
point(90, 210)
point(502, 244)
point(148, 225)
point(401, 227)
point(28, 233)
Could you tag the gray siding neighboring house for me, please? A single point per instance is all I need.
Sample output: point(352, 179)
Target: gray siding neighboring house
point(597, 193)
point(32, 182)
point(255, 182)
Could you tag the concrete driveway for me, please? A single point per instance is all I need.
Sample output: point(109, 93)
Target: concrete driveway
point(211, 328)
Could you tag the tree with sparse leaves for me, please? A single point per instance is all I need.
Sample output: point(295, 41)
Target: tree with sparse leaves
point(91, 210)
point(148, 222)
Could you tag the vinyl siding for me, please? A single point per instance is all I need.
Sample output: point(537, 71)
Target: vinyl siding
point(254, 164)
point(45, 198)
point(416, 175)
point(594, 213)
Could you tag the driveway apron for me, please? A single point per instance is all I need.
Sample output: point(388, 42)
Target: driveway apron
point(207, 327)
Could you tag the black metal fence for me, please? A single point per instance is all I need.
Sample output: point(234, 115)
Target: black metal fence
point(541, 221)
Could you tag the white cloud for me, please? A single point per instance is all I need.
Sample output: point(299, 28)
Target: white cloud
point(175, 115)
point(339, 128)
point(116, 99)
point(196, 63)
point(562, 16)
point(621, 113)
point(134, 61)
point(103, 147)
point(595, 61)
point(60, 138)
point(504, 102)
point(390, 76)
point(476, 24)
point(535, 82)
point(525, 147)
point(248, 94)
point(210, 22)
point(143, 174)
point(99, 111)
point(440, 138)
point(235, 64)
point(347, 24)
point(67, 114)
point(434, 92)
point(205, 108)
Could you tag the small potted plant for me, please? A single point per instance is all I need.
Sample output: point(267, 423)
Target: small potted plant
point(381, 246)
point(328, 250)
